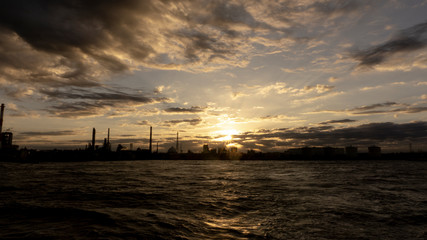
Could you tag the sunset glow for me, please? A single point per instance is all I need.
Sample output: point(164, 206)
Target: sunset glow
point(266, 75)
point(227, 135)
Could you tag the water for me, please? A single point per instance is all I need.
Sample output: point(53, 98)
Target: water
point(214, 200)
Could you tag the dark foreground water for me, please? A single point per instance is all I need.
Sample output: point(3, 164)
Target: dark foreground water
point(214, 200)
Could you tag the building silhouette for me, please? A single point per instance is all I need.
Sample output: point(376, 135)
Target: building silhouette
point(6, 138)
point(374, 151)
point(205, 148)
point(351, 151)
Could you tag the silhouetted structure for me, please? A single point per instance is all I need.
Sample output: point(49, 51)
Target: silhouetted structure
point(93, 139)
point(172, 150)
point(205, 149)
point(107, 146)
point(6, 140)
point(177, 142)
point(10, 152)
point(150, 147)
point(315, 152)
point(351, 151)
point(1, 117)
point(374, 151)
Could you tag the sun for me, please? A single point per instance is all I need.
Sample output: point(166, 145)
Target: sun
point(227, 135)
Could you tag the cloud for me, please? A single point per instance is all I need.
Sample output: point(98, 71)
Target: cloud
point(159, 89)
point(338, 121)
point(80, 102)
point(294, 70)
point(194, 121)
point(319, 88)
point(105, 95)
point(47, 133)
point(281, 88)
point(373, 106)
point(333, 79)
point(380, 108)
point(333, 9)
point(79, 109)
point(143, 123)
point(371, 88)
point(280, 118)
point(385, 134)
point(179, 110)
point(407, 40)
point(236, 95)
point(79, 43)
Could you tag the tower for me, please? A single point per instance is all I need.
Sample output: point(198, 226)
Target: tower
point(177, 143)
point(93, 138)
point(1, 117)
point(151, 140)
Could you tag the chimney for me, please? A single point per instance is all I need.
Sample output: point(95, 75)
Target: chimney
point(151, 139)
point(177, 142)
point(1, 117)
point(108, 137)
point(93, 138)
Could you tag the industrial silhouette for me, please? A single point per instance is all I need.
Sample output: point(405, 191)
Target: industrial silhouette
point(10, 152)
point(6, 138)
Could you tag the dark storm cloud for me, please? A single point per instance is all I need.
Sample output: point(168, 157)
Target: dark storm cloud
point(65, 32)
point(193, 109)
point(62, 27)
point(90, 39)
point(410, 39)
point(338, 121)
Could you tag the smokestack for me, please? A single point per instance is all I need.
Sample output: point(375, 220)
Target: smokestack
point(151, 139)
point(93, 138)
point(108, 137)
point(1, 117)
point(177, 142)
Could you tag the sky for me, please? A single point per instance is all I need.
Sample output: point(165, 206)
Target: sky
point(266, 75)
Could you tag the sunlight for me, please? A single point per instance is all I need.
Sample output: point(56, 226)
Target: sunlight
point(227, 135)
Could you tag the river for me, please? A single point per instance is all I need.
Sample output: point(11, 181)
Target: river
point(214, 200)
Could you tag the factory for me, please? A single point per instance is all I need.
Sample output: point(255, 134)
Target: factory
point(6, 138)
